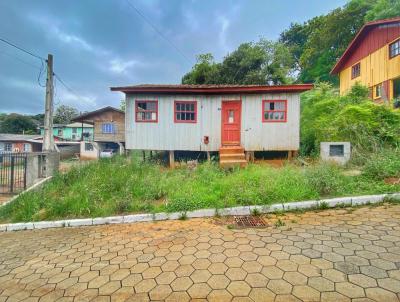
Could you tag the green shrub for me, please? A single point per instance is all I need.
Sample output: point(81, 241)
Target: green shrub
point(325, 178)
point(326, 116)
point(383, 164)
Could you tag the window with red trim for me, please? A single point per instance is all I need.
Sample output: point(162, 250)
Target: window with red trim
point(185, 111)
point(274, 111)
point(147, 111)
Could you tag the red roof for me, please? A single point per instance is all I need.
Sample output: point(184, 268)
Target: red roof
point(211, 89)
point(360, 35)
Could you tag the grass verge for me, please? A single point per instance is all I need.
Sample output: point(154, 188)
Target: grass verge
point(119, 185)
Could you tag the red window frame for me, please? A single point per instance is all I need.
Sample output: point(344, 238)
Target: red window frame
point(354, 68)
point(265, 111)
point(146, 101)
point(185, 111)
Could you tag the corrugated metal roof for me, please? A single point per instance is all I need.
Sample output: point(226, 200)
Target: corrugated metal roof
point(17, 137)
point(211, 89)
point(361, 33)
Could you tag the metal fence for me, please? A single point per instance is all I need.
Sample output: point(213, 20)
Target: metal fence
point(12, 172)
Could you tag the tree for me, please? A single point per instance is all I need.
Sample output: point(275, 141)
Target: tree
point(383, 9)
point(317, 44)
point(18, 124)
point(64, 114)
point(263, 62)
point(205, 71)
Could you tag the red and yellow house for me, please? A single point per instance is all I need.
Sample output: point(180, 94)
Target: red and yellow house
point(373, 59)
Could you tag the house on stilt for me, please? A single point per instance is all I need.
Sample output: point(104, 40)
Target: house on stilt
point(234, 120)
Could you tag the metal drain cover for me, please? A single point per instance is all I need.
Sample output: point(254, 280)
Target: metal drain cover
point(249, 222)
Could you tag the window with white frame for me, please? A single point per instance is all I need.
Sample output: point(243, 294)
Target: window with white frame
point(394, 49)
point(378, 91)
point(355, 70)
point(8, 147)
point(108, 128)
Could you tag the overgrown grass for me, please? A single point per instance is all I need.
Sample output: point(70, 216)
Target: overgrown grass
point(120, 185)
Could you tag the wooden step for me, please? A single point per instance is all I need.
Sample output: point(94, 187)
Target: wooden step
point(231, 150)
point(233, 163)
point(232, 156)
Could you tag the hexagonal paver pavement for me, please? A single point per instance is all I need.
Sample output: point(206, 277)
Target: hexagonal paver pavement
point(332, 255)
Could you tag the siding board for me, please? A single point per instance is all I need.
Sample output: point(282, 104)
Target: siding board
point(255, 135)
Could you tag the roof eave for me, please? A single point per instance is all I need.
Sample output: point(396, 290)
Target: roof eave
point(336, 69)
point(215, 90)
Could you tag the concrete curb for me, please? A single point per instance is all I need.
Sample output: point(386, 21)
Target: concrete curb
point(33, 187)
point(235, 211)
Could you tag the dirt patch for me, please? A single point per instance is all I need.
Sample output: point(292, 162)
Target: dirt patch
point(392, 180)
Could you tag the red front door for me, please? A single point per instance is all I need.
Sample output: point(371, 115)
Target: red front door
point(231, 114)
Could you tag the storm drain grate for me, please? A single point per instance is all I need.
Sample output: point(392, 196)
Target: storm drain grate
point(249, 222)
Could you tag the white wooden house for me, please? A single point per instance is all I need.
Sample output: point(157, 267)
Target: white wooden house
point(231, 119)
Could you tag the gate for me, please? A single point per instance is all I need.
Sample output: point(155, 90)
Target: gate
point(12, 172)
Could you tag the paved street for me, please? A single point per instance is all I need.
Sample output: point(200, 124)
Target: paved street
point(332, 255)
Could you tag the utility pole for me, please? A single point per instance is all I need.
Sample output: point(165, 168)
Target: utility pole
point(48, 139)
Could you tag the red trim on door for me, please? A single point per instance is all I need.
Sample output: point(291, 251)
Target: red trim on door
point(231, 131)
point(146, 101)
point(184, 111)
point(273, 121)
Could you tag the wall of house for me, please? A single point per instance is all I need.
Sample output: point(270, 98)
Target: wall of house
point(117, 119)
point(256, 135)
point(68, 132)
point(376, 68)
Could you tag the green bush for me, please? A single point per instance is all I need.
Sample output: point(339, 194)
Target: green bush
point(384, 164)
point(325, 178)
point(326, 116)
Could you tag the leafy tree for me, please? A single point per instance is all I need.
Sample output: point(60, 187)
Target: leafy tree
point(18, 124)
point(122, 105)
point(205, 71)
point(383, 9)
point(64, 114)
point(317, 44)
point(264, 62)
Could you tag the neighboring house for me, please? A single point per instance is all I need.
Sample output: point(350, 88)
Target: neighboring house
point(230, 119)
point(19, 143)
point(72, 132)
point(373, 59)
point(109, 131)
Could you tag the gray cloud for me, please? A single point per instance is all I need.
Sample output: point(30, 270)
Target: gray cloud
point(97, 44)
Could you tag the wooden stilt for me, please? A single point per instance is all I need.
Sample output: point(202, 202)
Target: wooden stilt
point(208, 156)
point(172, 159)
point(144, 155)
point(151, 154)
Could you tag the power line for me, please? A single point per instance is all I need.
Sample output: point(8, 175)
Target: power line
point(66, 86)
point(22, 49)
point(158, 31)
point(18, 59)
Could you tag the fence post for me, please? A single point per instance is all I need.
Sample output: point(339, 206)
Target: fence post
point(12, 174)
point(25, 166)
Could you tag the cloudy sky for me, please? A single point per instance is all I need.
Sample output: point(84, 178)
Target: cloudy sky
point(101, 43)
